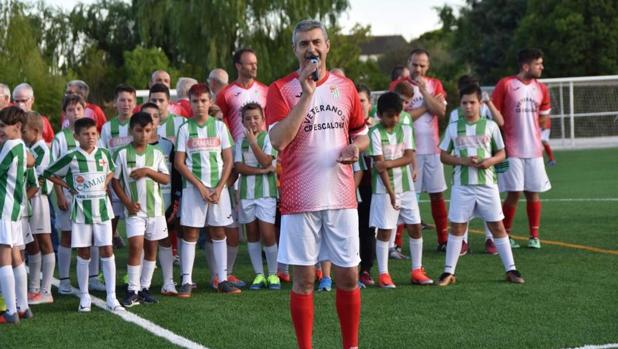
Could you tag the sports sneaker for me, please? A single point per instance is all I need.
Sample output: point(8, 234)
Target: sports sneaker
point(446, 279)
point(441, 247)
point(131, 299)
point(94, 284)
point(360, 285)
point(514, 276)
point(2, 304)
point(419, 277)
point(26, 314)
point(177, 260)
point(46, 298)
point(283, 276)
point(394, 253)
point(114, 306)
point(228, 287)
point(385, 281)
point(259, 282)
point(464, 248)
point(65, 287)
point(326, 284)
point(273, 282)
point(490, 247)
point(85, 304)
point(34, 298)
point(169, 289)
point(514, 244)
point(365, 279)
point(185, 291)
point(146, 298)
point(534, 243)
point(6, 318)
point(238, 283)
point(214, 282)
point(552, 163)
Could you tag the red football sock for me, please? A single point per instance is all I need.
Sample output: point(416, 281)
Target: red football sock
point(509, 214)
point(301, 307)
point(174, 241)
point(398, 235)
point(534, 217)
point(348, 309)
point(550, 153)
point(440, 217)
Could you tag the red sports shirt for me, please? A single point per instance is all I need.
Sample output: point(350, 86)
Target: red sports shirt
point(231, 100)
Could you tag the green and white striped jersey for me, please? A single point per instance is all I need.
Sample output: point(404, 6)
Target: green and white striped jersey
point(41, 154)
point(405, 118)
point(13, 179)
point(166, 147)
point(32, 181)
point(169, 128)
point(202, 145)
point(457, 113)
point(256, 186)
point(63, 142)
point(145, 190)
point(85, 173)
point(391, 145)
point(463, 139)
point(115, 134)
point(359, 165)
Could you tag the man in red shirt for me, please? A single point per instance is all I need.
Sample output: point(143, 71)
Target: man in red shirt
point(182, 106)
point(91, 111)
point(23, 97)
point(311, 124)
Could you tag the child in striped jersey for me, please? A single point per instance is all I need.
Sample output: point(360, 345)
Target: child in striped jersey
point(204, 159)
point(253, 160)
point(140, 169)
point(41, 257)
point(13, 163)
point(473, 146)
point(86, 171)
point(392, 149)
point(159, 95)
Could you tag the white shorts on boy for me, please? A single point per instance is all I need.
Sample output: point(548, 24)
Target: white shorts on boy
point(429, 174)
point(26, 233)
point(263, 209)
point(40, 221)
point(468, 201)
point(63, 218)
point(151, 228)
point(10, 233)
point(96, 234)
point(545, 133)
point(197, 213)
point(382, 215)
point(525, 174)
point(311, 237)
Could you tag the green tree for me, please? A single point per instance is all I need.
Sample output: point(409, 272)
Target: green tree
point(141, 62)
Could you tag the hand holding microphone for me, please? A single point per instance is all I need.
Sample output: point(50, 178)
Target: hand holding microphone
point(315, 60)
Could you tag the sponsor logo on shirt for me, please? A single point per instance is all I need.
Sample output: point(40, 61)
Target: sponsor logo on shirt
point(204, 144)
point(472, 141)
point(526, 105)
point(309, 118)
point(120, 141)
point(334, 91)
point(90, 183)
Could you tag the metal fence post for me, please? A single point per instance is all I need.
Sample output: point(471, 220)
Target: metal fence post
point(572, 113)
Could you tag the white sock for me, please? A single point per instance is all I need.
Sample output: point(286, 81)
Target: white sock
point(93, 270)
point(284, 268)
point(391, 239)
point(210, 259)
point(271, 258)
point(255, 254)
point(488, 234)
point(453, 249)
point(134, 272)
point(506, 254)
point(148, 268)
point(465, 236)
point(232, 252)
point(82, 275)
point(166, 259)
point(187, 257)
point(382, 256)
point(34, 269)
point(416, 252)
point(7, 283)
point(21, 286)
point(64, 262)
point(47, 268)
point(219, 248)
point(109, 272)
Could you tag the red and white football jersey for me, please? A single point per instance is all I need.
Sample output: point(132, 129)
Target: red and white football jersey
point(311, 178)
point(231, 100)
point(521, 104)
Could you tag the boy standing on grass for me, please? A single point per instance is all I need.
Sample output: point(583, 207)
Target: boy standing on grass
point(86, 171)
point(41, 256)
point(13, 163)
point(204, 159)
point(392, 149)
point(253, 160)
point(140, 169)
point(473, 146)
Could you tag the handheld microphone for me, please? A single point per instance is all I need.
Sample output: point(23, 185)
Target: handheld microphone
point(314, 60)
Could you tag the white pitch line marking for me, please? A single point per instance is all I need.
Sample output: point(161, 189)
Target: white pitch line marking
point(565, 200)
point(600, 346)
point(143, 323)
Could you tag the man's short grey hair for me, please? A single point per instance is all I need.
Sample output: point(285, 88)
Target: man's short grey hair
point(82, 86)
point(219, 75)
point(307, 25)
point(24, 86)
point(183, 85)
point(5, 90)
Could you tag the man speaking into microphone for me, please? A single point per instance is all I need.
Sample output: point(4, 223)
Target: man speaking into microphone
point(317, 124)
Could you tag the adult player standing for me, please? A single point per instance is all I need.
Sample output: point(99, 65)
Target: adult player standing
point(313, 115)
point(524, 104)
